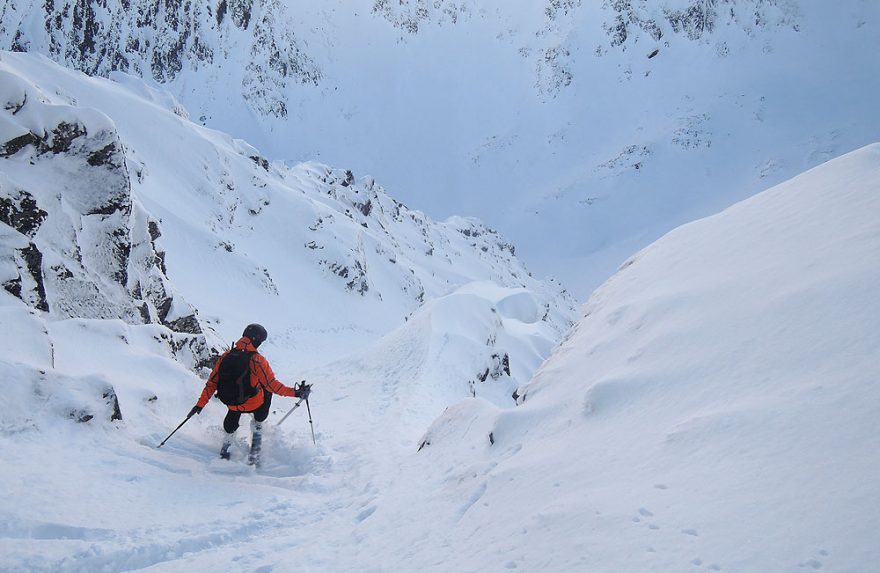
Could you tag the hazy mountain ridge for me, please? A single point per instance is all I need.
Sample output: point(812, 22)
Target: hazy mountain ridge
point(722, 99)
point(160, 41)
point(695, 19)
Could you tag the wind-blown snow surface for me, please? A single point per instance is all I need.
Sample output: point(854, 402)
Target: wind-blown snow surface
point(714, 409)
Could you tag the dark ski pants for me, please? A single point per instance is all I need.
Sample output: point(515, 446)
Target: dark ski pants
point(232, 419)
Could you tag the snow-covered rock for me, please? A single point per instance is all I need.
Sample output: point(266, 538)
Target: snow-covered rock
point(115, 207)
point(76, 242)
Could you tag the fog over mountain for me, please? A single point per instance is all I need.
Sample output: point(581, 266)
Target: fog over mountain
point(580, 130)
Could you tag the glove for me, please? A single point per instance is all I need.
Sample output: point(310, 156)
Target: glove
point(303, 390)
point(195, 410)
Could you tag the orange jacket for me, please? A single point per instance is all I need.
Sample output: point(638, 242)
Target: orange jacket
point(262, 378)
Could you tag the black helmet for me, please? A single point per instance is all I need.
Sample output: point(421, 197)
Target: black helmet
point(256, 333)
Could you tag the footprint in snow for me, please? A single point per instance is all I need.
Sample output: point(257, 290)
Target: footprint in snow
point(363, 515)
point(814, 563)
point(644, 513)
point(699, 562)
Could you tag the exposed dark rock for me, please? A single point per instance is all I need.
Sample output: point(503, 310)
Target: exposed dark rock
point(500, 367)
point(62, 273)
point(121, 245)
point(19, 43)
point(22, 213)
point(268, 283)
point(13, 287)
point(34, 260)
point(693, 21)
point(144, 310)
point(221, 11)
point(188, 325)
point(240, 12)
point(102, 156)
point(113, 402)
point(16, 144)
point(163, 308)
point(505, 364)
point(153, 230)
point(121, 202)
point(63, 136)
point(80, 416)
point(261, 161)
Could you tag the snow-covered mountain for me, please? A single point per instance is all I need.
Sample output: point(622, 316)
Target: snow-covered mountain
point(117, 212)
point(712, 410)
point(581, 130)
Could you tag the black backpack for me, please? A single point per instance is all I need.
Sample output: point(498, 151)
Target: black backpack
point(234, 378)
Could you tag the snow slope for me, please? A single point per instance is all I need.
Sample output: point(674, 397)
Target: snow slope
point(713, 409)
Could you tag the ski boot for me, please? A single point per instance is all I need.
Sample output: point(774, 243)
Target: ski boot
point(256, 445)
point(227, 442)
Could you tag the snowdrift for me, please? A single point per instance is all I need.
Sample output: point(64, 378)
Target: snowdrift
point(714, 409)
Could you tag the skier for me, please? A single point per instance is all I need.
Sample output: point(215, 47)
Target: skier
point(245, 382)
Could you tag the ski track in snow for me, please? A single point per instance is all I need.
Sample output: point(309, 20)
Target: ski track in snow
point(332, 471)
point(310, 488)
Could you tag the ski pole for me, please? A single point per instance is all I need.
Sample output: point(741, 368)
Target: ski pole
point(185, 420)
point(289, 412)
point(310, 422)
